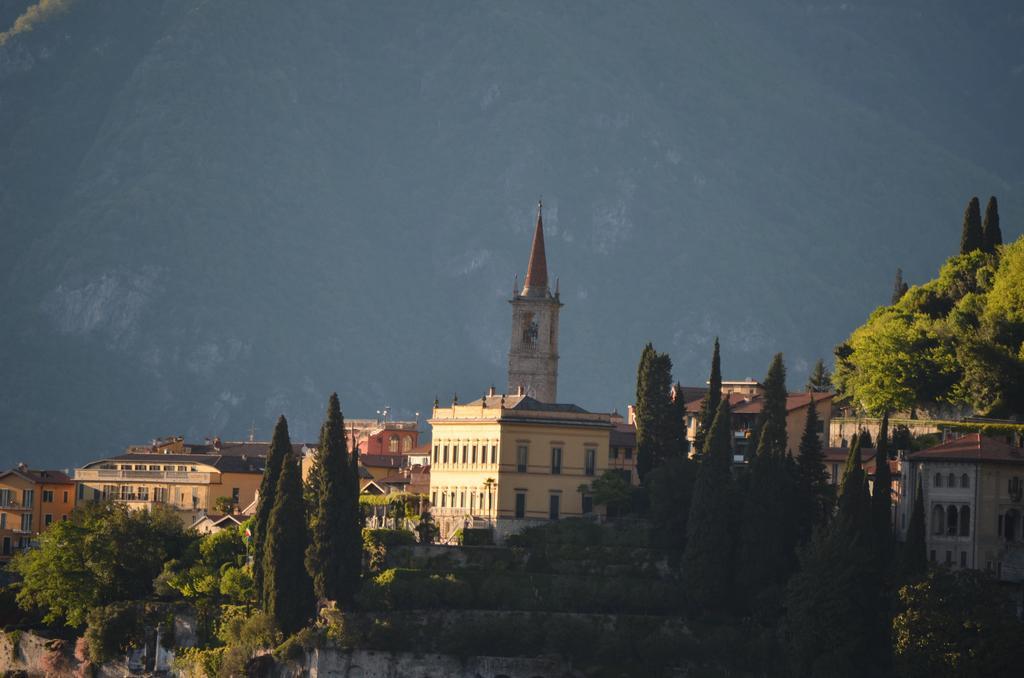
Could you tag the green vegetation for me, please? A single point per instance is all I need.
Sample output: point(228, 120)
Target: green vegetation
point(956, 340)
point(280, 449)
point(656, 426)
point(971, 238)
point(817, 492)
point(819, 381)
point(103, 553)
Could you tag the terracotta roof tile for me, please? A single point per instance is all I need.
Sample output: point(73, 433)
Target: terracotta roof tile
point(971, 448)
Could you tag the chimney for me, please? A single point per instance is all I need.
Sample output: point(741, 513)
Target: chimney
point(216, 443)
point(520, 390)
point(492, 391)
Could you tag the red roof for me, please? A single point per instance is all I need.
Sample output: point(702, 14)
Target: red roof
point(972, 447)
point(741, 403)
point(537, 270)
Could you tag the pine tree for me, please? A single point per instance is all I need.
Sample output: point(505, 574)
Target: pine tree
point(899, 288)
point(971, 237)
point(654, 411)
point(772, 429)
point(709, 406)
point(819, 381)
point(991, 234)
point(326, 556)
point(287, 587)
point(881, 498)
point(854, 504)
point(280, 449)
point(680, 446)
point(816, 491)
point(708, 558)
point(914, 559)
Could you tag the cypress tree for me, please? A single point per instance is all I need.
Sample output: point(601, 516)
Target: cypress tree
point(325, 557)
point(280, 449)
point(914, 559)
point(680, 446)
point(881, 498)
point(773, 441)
point(971, 237)
point(854, 505)
point(769, 525)
point(287, 587)
point(819, 381)
point(899, 288)
point(816, 491)
point(709, 406)
point(708, 557)
point(656, 433)
point(991, 234)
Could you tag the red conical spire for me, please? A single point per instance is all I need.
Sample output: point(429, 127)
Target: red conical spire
point(536, 282)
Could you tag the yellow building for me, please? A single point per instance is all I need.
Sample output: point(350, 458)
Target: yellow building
point(29, 501)
point(504, 461)
point(186, 477)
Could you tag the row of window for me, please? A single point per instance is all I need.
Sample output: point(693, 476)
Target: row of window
point(949, 558)
point(951, 521)
point(950, 480)
point(471, 454)
point(554, 505)
point(589, 460)
point(147, 467)
point(474, 500)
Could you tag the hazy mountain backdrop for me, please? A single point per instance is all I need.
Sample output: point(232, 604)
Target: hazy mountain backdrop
point(214, 212)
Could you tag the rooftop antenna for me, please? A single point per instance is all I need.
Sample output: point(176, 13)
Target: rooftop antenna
point(252, 432)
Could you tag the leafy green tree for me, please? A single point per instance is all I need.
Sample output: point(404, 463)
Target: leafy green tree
point(899, 288)
point(991, 234)
point(287, 587)
point(332, 523)
point(819, 381)
point(913, 554)
point(103, 553)
point(280, 450)
point(612, 490)
point(816, 492)
point(709, 406)
point(971, 237)
point(656, 433)
point(958, 624)
point(708, 558)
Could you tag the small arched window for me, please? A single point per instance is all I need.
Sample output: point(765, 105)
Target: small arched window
point(938, 519)
point(406, 444)
point(938, 480)
point(393, 444)
point(965, 521)
point(951, 521)
point(952, 480)
point(965, 480)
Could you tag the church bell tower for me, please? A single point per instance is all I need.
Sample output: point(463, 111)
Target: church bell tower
point(533, 354)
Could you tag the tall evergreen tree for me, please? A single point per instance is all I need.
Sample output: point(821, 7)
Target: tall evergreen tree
point(991, 234)
point(326, 556)
point(816, 491)
point(670, 484)
point(971, 237)
point(770, 509)
point(899, 288)
point(709, 406)
point(854, 505)
point(656, 432)
point(819, 381)
point(680, 446)
point(287, 587)
point(280, 449)
point(913, 556)
point(772, 440)
point(881, 497)
point(708, 558)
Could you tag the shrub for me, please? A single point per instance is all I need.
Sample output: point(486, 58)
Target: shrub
point(477, 537)
point(294, 649)
point(378, 543)
point(199, 662)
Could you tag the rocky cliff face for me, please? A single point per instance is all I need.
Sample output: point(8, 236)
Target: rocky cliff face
point(212, 213)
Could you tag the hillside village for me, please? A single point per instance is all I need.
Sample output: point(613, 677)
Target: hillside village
point(515, 485)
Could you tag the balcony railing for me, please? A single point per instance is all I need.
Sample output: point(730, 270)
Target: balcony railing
point(152, 476)
point(14, 506)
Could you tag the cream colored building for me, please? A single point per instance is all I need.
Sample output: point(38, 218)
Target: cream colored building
point(187, 477)
point(973, 491)
point(505, 461)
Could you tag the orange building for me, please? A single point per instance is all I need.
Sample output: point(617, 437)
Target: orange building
point(29, 501)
